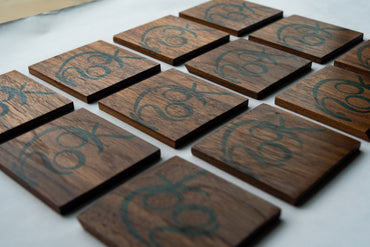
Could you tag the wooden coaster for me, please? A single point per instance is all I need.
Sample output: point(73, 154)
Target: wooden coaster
point(248, 67)
point(25, 104)
point(173, 107)
point(236, 17)
point(335, 97)
point(171, 39)
point(94, 71)
point(356, 60)
point(311, 39)
point(69, 160)
point(178, 204)
point(276, 151)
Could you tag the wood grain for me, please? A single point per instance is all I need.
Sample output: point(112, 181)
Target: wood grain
point(94, 71)
point(177, 204)
point(171, 39)
point(332, 96)
point(236, 17)
point(26, 104)
point(308, 38)
point(276, 151)
point(69, 160)
point(248, 67)
point(356, 60)
point(173, 107)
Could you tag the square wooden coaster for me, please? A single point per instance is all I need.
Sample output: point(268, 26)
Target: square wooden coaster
point(276, 151)
point(173, 107)
point(94, 71)
point(236, 17)
point(332, 96)
point(248, 67)
point(25, 104)
point(356, 60)
point(311, 39)
point(171, 39)
point(69, 160)
point(178, 204)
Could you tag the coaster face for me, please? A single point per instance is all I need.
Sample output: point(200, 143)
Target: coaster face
point(171, 39)
point(356, 60)
point(177, 202)
point(332, 96)
point(248, 67)
point(276, 151)
point(70, 159)
point(94, 70)
point(311, 39)
point(236, 17)
point(173, 106)
point(25, 104)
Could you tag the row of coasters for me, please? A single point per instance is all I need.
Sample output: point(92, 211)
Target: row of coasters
point(242, 65)
point(176, 201)
point(174, 40)
point(263, 143)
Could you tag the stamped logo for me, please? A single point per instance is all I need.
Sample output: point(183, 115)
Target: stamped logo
point(66, 142)
point(97, 65)
point(177, 206)
point(12, 93)
point(269, 146)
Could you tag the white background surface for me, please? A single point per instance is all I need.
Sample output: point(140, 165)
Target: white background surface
point(338, 215)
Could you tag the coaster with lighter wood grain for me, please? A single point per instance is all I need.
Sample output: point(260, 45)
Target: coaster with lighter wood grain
point(26, 104)
point(94, 71)
point(236, 17)
point(178, 204)
point(173, 107)
point(308, 38)
point(278, 152)
point(171, 39)
point(71, 159)
point(333, 96)
point(248, 67)
point(356, 60)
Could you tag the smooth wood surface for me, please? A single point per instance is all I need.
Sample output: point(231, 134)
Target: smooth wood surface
point(356, 60)
point(332, 96)
point(94, 71)
point(276, 151)
point(248, 67)
point(236, 17)
point(69, 160)
point(173, 107)
point(25, 104)
point(171, 39)
point(308, 38)
point(177, 204)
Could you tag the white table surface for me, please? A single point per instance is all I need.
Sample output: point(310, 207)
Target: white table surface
point(338, 215)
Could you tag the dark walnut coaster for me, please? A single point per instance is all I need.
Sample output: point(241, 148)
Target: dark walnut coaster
point(25, 104)
point(236, 17)
point(71, 159)
point(248, 67)
point(173, 107)
point(94, 71)
point(278, 152)
point(171, 39)
point(178, 204)
point(332, 96)
point(311, 39)
point(356, 60)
